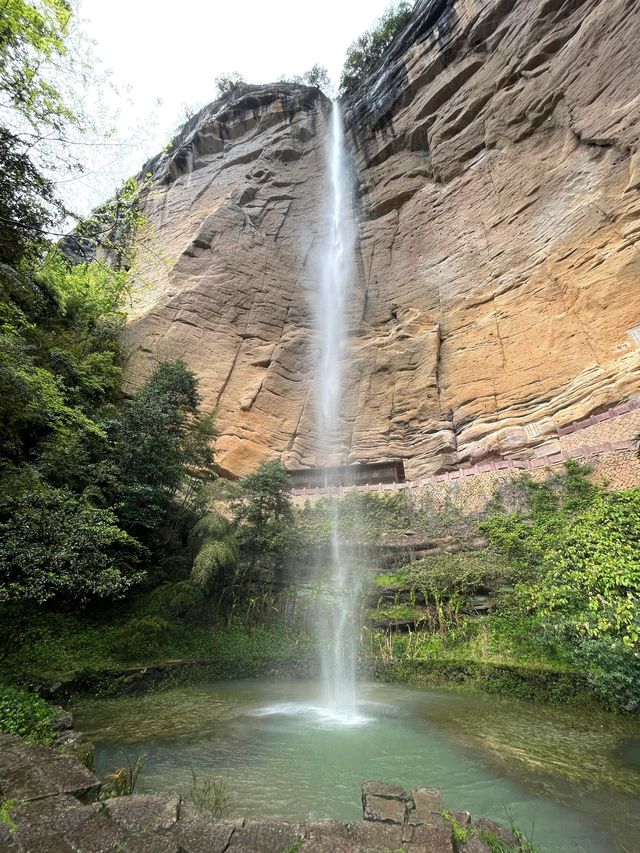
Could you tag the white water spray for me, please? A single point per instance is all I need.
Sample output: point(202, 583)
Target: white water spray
point(339, 632)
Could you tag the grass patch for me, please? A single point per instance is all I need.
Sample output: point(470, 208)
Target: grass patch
point(491, 639)
point(397, 612)
point(57, 646)
point(395, 580)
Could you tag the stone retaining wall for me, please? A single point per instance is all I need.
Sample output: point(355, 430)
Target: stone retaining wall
point(607, 442)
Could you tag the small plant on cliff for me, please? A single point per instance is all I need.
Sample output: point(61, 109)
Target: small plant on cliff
point(368, 48)
point(227, 84)
point(460, 834)
point(317, 76)
point(5, 815)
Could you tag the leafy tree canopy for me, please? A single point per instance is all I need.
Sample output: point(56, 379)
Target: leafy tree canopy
point(162, 447)
point(33, 33)
point(54, 544)
point(263, 511)
point(368, 48)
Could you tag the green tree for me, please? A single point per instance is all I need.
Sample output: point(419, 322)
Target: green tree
point(162, 449)
point(28, 206)
point(317, 76)
point(227, 84)
point(368, 48)
point(263, 510)
point(56, 545)
point(33, 34)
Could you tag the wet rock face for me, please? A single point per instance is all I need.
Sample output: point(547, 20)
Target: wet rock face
point(496, 299)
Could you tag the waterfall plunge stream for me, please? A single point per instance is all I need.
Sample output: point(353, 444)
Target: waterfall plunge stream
point(338, 628)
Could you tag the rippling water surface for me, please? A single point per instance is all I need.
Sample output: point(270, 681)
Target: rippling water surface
point(571, 780)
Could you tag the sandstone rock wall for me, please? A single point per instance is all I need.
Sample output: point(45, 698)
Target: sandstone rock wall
point(497, 297)
point(224, 282)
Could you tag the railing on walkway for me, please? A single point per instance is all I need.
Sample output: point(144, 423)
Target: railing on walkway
point(547, 456)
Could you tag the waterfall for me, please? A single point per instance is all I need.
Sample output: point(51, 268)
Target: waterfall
point(339, 630)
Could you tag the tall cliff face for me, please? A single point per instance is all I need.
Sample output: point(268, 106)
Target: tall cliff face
point(233, 215)
point(496, 149)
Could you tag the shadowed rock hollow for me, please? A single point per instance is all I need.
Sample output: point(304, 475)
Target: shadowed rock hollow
point(496, 151)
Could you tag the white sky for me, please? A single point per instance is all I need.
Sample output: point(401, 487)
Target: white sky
point(174, 52)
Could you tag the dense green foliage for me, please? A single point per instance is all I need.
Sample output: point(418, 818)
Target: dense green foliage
point(561, 577)
point(575, 547)
point(457, 576)
point(368, 48)
point(161, 450)
point(93, 487)
point(262, 510)
point(32, 34)
point(216, 552)
point(360, 517)
point(55, 544)
point(141, 630)
point(26, 715)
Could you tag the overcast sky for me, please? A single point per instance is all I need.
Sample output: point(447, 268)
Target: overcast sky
point(174, 52)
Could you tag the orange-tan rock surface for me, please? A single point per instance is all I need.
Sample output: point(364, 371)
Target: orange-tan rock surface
point(498, 289)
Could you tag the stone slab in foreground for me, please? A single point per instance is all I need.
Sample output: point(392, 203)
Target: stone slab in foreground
point(55, 807)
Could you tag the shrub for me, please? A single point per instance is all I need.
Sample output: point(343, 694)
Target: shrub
point(216, 556)
point(593, 571)
point(575, 550)
point(26, 715)
point(54, 544)
point(178, 598)
point(462, 574)
point(361, 517)
point(227, 84)
point(263, 511)
point(139, 637)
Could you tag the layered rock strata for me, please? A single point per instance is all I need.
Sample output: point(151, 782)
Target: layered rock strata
point(496, 299)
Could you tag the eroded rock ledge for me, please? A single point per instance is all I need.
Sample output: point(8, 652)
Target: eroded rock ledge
point(55, 807)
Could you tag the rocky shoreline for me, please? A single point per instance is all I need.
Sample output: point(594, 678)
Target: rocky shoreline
point(52, 803)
